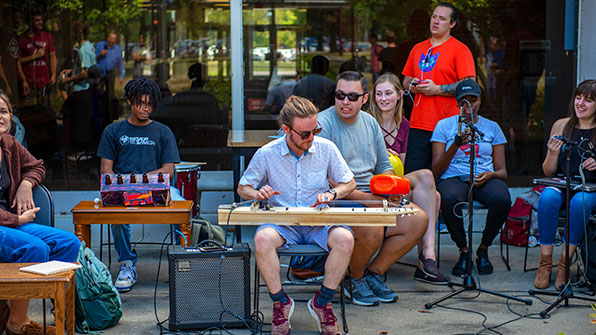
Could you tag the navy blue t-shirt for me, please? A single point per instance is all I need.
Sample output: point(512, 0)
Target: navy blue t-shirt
point(138, 149)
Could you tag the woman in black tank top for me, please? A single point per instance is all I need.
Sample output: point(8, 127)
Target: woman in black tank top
point(579, 127)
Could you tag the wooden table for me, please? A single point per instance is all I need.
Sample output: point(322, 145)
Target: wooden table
point(60, 287)
point(87, 213)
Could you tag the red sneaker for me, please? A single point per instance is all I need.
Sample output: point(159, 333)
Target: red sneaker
point(325, 317)
point(281, 317)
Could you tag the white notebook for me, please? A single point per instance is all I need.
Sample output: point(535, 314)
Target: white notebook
point(50, 268)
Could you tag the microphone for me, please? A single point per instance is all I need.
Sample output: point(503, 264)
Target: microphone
point(567, 141)
point(468, 123)
point(563, 139)
point(387, 184)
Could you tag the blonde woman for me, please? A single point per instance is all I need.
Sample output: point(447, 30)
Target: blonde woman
point(387, 108)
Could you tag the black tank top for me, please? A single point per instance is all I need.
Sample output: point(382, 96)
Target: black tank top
point(583, 138)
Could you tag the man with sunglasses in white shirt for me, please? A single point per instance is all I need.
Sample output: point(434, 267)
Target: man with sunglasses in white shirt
point(293, 171)
point(359, 139)
point(432, 72)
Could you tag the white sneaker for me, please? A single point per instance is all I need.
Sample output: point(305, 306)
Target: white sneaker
point(127, 276)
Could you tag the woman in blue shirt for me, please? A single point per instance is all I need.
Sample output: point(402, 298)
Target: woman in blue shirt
point(451, 163)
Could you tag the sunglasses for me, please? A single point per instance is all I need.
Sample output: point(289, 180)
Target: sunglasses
point(352, 96)
point(306, 134)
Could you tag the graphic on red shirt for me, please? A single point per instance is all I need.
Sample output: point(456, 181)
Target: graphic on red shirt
point(37, 71)
point(466, 149)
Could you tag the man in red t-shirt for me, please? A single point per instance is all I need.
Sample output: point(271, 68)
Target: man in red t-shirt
point(37, 55)
point(433, 70)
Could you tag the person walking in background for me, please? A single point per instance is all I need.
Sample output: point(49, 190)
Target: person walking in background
point(109, 56)
point(316, 87)
point(84, 58)
point(140, 55)
point(375, 51)
point(37, 55)
point(387, 53)
point(433, 70)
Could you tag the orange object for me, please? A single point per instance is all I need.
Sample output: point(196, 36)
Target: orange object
point(387, 184)
point(138, 199)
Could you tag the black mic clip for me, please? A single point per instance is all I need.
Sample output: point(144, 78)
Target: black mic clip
point(570, 143)
point(472, 127)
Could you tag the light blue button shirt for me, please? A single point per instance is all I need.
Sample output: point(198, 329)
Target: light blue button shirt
point(298, 179)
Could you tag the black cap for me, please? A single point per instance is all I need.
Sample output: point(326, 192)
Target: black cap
point(95, 72)
point(467, 87)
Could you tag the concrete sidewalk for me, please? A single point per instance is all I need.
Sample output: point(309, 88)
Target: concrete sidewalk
point(465, 314)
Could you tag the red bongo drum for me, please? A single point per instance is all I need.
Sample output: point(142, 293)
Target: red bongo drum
point(187, 175)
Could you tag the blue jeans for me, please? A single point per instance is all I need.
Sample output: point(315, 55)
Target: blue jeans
point(32, 242)
point(121, 234)
point(550, 203)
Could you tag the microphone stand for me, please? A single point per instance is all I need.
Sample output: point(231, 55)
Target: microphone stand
point(567, 291)
point(468, 283)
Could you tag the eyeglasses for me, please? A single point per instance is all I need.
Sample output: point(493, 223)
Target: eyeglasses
point(306, 134)
point(352, 96)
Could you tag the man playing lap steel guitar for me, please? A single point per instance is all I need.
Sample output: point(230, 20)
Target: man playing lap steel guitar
point(294, 171)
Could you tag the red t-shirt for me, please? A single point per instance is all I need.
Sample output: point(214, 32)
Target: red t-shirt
point(444, 64)
point(37, 71)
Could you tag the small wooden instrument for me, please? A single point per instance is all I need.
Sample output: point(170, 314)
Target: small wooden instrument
point(313, 216)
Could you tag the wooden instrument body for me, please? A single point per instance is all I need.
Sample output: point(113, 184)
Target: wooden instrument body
point(313, 216)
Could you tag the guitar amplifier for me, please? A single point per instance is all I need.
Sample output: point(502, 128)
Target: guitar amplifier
point(207, 286)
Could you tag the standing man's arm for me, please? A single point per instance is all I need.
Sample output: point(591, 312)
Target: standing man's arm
point(165, 168)
point(53, 65)
point(21, 74)
point(3, 76)
point(429, 87)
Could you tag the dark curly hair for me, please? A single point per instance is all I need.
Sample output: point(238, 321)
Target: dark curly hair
point(136, 88)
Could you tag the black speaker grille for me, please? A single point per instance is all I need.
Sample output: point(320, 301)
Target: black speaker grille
point(204, 287)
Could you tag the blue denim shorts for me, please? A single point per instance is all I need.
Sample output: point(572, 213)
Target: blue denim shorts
point(303, 234)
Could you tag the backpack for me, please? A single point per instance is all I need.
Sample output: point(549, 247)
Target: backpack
point(97, 302)
point(522, 218)
point(204, 230)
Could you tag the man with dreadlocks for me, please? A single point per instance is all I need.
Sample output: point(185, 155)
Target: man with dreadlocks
point(137, 145)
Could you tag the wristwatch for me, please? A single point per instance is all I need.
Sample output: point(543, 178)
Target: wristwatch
point(334, 192)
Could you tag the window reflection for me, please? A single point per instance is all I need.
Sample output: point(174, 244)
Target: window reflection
point(162, 40)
